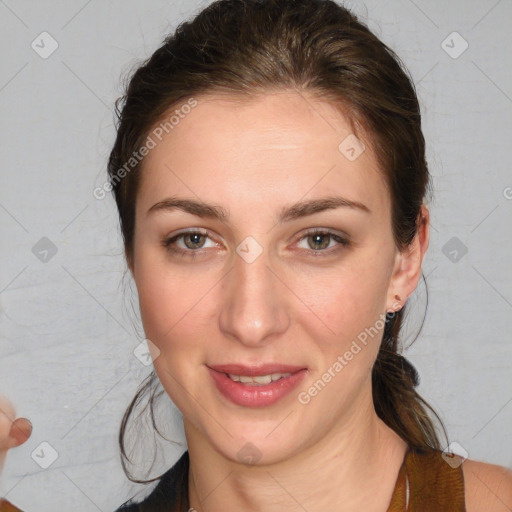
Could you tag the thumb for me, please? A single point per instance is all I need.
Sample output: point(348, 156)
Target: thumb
point(20, 431)
point(13, 431)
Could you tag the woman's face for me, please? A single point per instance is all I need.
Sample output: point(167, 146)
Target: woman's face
point(254, 287)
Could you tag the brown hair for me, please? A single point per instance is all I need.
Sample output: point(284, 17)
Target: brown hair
point(246, 47)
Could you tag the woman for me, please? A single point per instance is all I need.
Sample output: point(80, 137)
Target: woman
point(270, 176)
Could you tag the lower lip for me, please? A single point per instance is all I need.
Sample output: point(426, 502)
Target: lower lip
point(258, 395)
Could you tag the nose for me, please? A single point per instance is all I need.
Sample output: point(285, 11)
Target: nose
point(254, 307)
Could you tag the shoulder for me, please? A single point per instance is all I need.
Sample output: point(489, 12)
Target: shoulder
point(488, 487)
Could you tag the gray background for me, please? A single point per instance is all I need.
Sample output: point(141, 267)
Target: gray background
point(67, 327)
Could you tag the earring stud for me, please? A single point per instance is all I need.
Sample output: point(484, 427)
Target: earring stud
point(394, 310)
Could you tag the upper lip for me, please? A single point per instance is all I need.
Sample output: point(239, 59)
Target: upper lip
point(255, 370)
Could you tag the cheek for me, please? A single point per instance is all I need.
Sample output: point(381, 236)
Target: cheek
point(345, 301)
point(154, 304)
point(169, 305)
point(174, 303)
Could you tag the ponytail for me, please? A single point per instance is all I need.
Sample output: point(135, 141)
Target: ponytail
point(396, 401)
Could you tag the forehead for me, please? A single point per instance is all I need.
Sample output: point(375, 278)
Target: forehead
point(262, 149)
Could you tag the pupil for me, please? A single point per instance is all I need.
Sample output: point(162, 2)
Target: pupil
point(317, 242)
point(195, 237)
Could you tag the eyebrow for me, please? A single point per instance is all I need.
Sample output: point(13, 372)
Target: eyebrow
point(288, 213)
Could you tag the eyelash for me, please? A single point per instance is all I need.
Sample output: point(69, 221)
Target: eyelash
point(168, 242)
point(343, 242)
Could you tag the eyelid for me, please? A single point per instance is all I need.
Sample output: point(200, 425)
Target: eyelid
point(174, 236)
point(342, 240)
point(326, 231)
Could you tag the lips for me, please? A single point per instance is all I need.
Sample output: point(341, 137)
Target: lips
point(256, 370)
point(251, 395)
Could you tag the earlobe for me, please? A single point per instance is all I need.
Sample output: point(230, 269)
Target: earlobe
point(407, 268)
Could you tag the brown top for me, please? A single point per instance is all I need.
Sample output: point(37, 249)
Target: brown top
point(7, 506)
point(428, 481)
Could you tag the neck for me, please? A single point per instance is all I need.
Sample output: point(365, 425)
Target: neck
point(354, 467)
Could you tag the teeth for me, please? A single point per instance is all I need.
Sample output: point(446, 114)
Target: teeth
point(258, 380)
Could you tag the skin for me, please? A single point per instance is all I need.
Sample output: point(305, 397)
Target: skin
point(13, 431)
point(254, 158)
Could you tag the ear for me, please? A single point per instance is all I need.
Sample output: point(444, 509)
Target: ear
point(407, 268)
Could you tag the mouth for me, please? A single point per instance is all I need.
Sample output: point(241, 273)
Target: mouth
point(259, 380)
point(256, 386)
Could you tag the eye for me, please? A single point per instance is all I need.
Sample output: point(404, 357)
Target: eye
point(318, 240)
point(191, 240)
point(189, 243)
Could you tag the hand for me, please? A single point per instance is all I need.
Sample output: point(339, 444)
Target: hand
point(13, 431)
